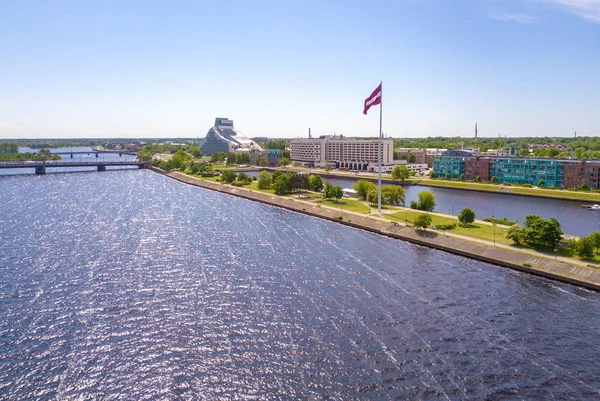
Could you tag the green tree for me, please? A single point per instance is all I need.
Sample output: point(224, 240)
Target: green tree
point(448, 176)
point(231, 158)
point(373, 196)
point(392, 195)
point(422, 221)
point(284, 161)
point(244, 178)
point(328, 167)
point(585, 248)
point(337, 192)
point(425, 201)
point(282, 184)
point(332, 191)
point(583, 186)
point(277, 144)
point(9, 147)
point(194, 168)
point(515, 233)
point(316, 183)
point(178, 159)
point(541, 183)
point(463, 177)
point(144, 155)
point(494, 180)
point(264, 180)
point(228, 176)
point(261, 161)
point(299, 181)
point(478, 178)
point(553, 152)
point(362, 188)
point(400, 173)
point(541, 232)
point(196, 152)
point(466, 217)
point(276, 174)
point(411, 158)
point(596, 237)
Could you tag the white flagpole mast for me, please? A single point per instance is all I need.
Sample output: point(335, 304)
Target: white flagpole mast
point(380, 151)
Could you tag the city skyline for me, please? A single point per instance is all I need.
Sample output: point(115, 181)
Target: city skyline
point(518, 68)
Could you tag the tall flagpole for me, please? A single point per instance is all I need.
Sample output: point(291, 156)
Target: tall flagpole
point(380, 150)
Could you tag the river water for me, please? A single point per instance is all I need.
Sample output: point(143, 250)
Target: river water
point(128, 285)
point(574, 219)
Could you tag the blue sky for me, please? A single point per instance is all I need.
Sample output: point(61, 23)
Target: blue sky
point(168, 68)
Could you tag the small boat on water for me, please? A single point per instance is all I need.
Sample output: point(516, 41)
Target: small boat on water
point(593, 207)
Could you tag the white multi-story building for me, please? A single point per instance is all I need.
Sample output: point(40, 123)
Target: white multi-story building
point(356, 154)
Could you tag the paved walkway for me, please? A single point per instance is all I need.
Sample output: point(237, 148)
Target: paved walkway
point(563, 269)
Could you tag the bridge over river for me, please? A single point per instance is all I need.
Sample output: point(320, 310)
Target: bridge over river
point(42, 166)
point(93, 152)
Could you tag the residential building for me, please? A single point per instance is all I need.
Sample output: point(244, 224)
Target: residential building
point(477, 167)
point(559, 173)
point(451, 162)
point(518, 170)
point(580, 173)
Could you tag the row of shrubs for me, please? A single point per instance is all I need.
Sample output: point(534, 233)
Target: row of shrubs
point(503, 221)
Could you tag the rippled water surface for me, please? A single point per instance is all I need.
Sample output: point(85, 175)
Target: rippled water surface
point(127, 285)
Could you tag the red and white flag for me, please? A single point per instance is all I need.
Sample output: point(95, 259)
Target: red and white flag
point(374, 99)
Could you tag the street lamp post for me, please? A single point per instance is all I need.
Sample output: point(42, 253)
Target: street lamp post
point(494, 224)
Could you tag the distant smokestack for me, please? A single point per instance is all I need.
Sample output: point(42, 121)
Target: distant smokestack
point(575, 134)
point(309, 136)
point(475, 132)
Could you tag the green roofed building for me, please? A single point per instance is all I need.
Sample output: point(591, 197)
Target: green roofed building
point(273, 157)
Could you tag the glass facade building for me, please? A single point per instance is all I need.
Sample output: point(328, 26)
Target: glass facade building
point(451, 162)
point(557, 173)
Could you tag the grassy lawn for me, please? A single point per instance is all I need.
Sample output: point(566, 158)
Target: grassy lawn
point(475, 230)
point(349, 205)
point(585, 196)
point(588, 196)
point(461, 184)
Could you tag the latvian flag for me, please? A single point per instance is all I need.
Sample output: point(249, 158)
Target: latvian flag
point(373, 100)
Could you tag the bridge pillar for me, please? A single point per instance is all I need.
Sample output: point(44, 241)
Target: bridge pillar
point(101, 168)
point(97, 155)
point(119, 154)
point(40, 169)
point(71, 155)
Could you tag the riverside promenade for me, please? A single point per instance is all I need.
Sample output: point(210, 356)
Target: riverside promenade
point(532, 262)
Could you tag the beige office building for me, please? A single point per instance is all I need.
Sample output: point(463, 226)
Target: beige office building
point(350, 153)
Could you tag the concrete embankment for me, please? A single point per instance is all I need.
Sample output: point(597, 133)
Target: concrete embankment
point(557, 270)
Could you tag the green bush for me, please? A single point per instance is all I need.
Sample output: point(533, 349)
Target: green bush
point(503, 221)
point(527, 264)
point(445, 226)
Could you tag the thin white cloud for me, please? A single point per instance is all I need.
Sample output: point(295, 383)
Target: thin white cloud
point(516, 17)
point(587, 9)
